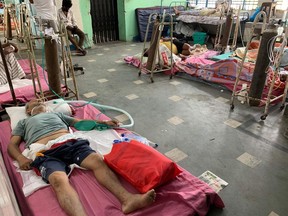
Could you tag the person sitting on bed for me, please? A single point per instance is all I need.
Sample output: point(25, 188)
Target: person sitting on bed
point(42, 127)
point(14, 68)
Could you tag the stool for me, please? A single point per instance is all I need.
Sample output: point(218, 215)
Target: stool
point(268, 8)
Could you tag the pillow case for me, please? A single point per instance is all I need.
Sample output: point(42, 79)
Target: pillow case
point(18, 113)
point(141, 165)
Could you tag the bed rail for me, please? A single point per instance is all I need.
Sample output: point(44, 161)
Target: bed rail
point(183, 4)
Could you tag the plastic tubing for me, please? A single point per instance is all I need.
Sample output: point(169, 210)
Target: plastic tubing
point(105, 107)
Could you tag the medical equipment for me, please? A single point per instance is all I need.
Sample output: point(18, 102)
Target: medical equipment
point(252, 98)
point(84, 103)
point(158, 22)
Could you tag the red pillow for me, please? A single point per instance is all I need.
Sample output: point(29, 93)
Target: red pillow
point(141, 165)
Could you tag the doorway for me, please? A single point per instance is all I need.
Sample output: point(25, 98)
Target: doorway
point(104, 20)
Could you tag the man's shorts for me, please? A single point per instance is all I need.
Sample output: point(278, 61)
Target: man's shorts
point(59, 158)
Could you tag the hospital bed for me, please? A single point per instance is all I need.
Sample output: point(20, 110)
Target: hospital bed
point(223, 72)
point(205, 19)
point(24, 92)
point(212, 68)
point(183, 195)
point(24, 89)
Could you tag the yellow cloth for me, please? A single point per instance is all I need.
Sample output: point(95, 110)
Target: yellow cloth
point(168, 45)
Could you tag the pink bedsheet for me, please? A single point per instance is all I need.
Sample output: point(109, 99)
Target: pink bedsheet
point(24, 94)
point(185, 195)
point(222, 72)
point(135, 60)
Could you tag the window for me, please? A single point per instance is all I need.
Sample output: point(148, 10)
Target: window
point(249, 4)
point(245, 4)
point(202, 3)
point(281, 5)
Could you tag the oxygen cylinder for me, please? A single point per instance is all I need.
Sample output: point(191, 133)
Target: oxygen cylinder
point(227, 31)
point(154, 43)
point(52, 65)
point(8, 27)
point(262, 62)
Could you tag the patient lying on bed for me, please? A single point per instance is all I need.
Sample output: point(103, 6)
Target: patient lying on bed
point(181, 48)
point(42, 127)
point(14, 67)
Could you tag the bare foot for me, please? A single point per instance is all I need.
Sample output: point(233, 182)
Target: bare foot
point(138, 201)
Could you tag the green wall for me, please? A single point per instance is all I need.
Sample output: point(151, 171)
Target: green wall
point(86, 17)
point(121, 19)
point(127, 18)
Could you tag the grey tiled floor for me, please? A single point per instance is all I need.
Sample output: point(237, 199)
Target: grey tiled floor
point(202, 130)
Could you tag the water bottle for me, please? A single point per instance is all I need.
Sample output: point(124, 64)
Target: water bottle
point(127, 137)
point(122, 139)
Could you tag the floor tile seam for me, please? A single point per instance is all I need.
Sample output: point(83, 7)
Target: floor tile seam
point(264, 140)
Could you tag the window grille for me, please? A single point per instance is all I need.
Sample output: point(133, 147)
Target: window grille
point(245, 4)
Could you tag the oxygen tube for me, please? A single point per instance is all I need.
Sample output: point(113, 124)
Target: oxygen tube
point(134, 135)
point(104, 107)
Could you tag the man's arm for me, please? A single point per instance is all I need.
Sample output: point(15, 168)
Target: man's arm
point(112, 123)
point(15, 153)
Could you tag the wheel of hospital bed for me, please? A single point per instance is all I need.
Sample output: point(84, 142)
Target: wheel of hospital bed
point(263, 117)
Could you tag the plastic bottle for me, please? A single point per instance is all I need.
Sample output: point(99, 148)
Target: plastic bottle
point(127, 137)
point(122, 139)
point(227, 50)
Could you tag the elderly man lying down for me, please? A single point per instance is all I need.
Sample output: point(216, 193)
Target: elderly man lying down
point(46, 128)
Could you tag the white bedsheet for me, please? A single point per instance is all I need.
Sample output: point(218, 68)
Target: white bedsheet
point(17, 83)
point(100, 141)
point(214, 20)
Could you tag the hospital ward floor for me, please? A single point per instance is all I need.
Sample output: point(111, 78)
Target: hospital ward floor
point(192, 124)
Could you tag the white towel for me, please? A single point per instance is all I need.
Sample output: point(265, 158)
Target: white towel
point(17, 83)
point(100, 141)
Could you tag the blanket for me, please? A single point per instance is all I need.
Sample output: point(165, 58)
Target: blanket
point(14, 69)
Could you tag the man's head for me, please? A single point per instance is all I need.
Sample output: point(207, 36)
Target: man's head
point(66, 5)
point(35, 107)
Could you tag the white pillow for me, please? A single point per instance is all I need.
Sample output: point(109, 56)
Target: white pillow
point(18, 113)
